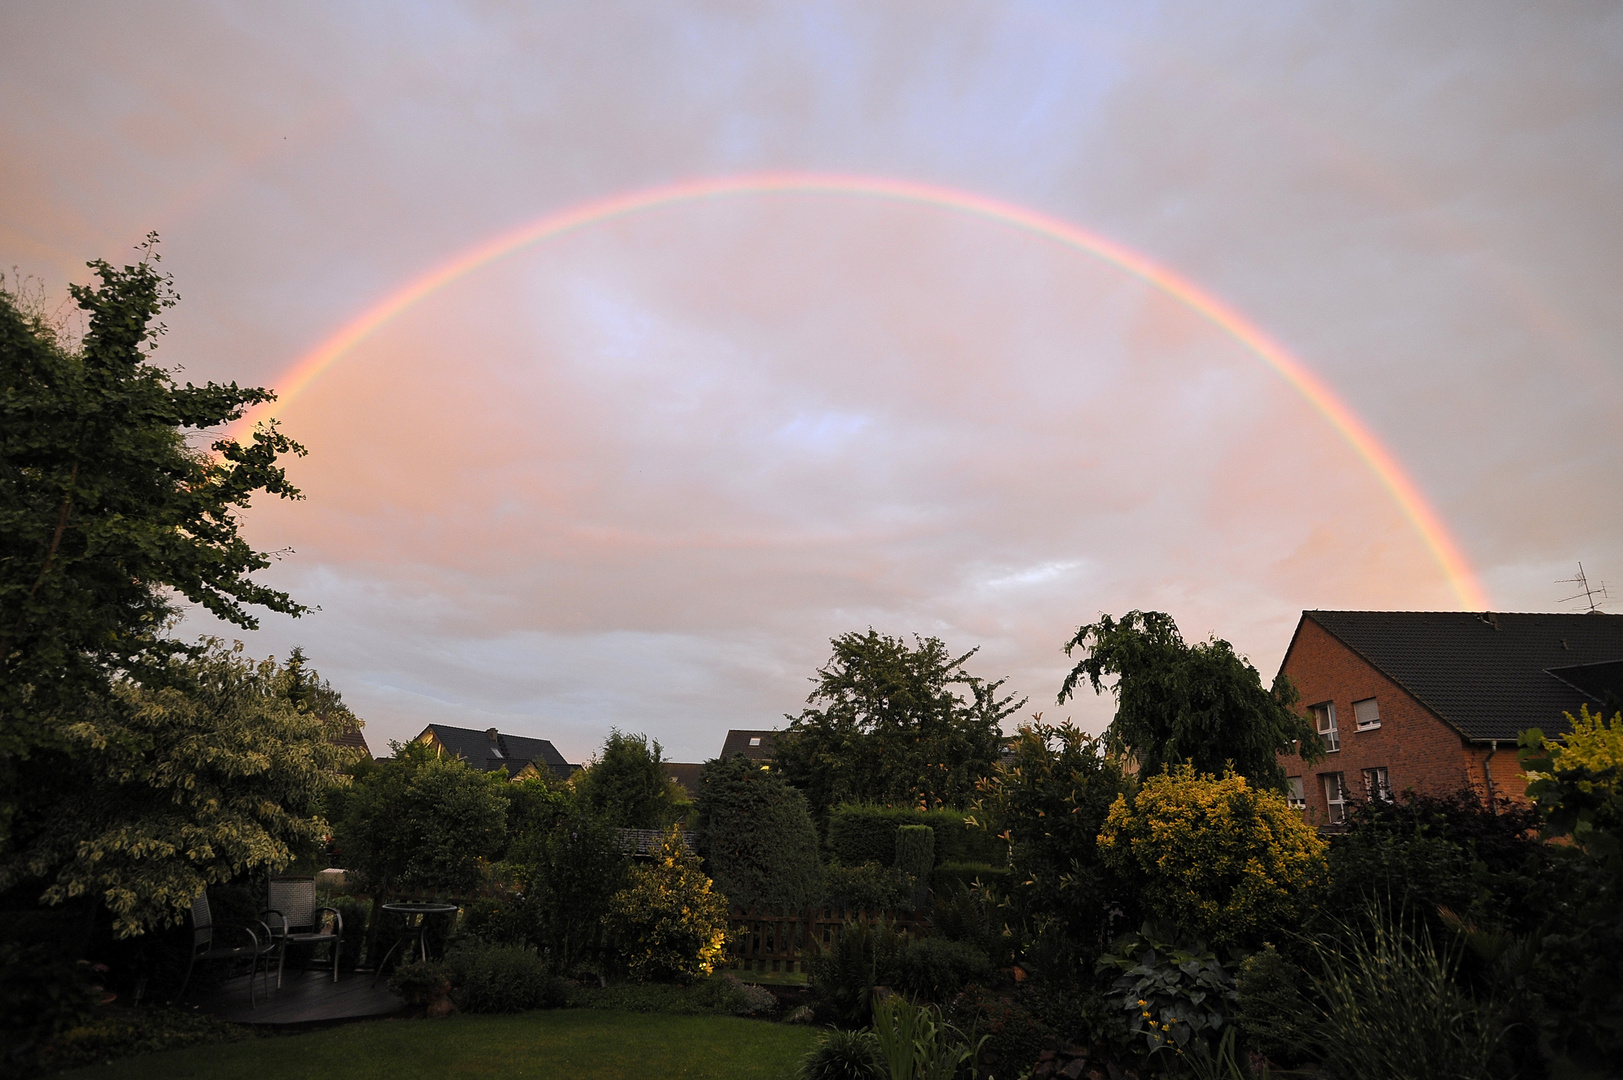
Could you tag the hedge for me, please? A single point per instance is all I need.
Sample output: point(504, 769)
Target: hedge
point(860, 833)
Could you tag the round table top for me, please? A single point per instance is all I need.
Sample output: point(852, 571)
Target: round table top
point(420, 909)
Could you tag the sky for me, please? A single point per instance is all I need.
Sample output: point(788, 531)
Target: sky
point(638, 472)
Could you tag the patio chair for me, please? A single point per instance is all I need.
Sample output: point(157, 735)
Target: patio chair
point(225, 941)
point(295, 919)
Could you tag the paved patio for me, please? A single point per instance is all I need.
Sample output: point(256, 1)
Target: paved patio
point(305, 997)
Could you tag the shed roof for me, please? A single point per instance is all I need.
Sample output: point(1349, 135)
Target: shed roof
point(1491, 675)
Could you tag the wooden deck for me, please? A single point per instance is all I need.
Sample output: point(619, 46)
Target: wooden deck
point(305, 998)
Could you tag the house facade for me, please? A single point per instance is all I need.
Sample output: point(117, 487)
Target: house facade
point(1433, 702)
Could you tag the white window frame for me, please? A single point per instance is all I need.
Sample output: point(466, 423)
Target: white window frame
point(755, 740)
point(1335, 796)
point(1297, 795)
point(1377, 784)
point(1360, 714)
point(1324, 718)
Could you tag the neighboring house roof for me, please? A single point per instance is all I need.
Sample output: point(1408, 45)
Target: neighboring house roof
point(490, 750)
point(353, 740)
point(1491, 675)
point(755, 745)
point(685, 775)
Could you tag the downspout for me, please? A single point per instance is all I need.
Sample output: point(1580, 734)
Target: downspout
point(1487, 772)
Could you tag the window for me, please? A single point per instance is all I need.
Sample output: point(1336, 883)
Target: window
point(755, 740)
point(1325, 717)
point(1335, 796)
point(1376, 786)
point(1367, 713)
point(1297, 797)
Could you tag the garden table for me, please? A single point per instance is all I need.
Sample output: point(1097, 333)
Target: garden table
point(416, 925)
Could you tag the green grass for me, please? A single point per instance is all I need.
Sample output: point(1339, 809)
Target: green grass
point(581, 1044)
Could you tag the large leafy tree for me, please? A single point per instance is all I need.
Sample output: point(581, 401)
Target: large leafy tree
point(1177, 703)
point(110, 513)
point(627, 785)
point(891, 722)
point(756, 835)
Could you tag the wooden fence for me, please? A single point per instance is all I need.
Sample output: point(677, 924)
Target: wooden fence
point(772, 939)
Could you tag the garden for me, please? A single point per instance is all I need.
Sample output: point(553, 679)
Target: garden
point(902, 893)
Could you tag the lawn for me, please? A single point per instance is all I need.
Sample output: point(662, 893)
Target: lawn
point(577, 1043)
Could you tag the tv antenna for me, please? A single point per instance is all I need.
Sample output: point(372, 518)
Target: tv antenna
point(1593, 595)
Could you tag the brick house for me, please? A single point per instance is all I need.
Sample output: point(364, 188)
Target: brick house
point(1433, 701)
point(517, 755)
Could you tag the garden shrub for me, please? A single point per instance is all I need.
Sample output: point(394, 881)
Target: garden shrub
point(1270, 1006)
point(915, 1043)
point(843, 974)
point(1229, 861)
point(564, 879)
point(1177, 998)
point(721, 994)
point(420, 981)
point(756, 835)
point(861, 832)
point(935, 969)
point(870, 887)
point(915, 855)
point(1014, 1033)
point(668, 922)
point(42, 995)
point(355, 912)
point(951, 878)
point(843, 1055)
point(149, 1031)
point(501, 979)
point(975, 915)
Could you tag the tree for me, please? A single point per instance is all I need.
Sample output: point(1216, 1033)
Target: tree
point(193, 783)
point(1228, 862)
point(888, 724)
point(566, 877)
point(756, 835)
point(108, 516)
point(668, 920)
point(1201, 704)
point(627, 784)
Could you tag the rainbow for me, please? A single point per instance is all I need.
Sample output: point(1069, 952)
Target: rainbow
point(1380, 461)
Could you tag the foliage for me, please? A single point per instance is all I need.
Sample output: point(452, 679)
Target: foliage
point(1014, 1034)
point(843, 1055)
point(41, 996)
point(934, 969)
point(722, 994)
point(1270, 1005)
point(668, 921)
point(870, 887)
point(1049, 802)
point(950, 878)
point(627, 786)
point(887, 723)
point(843, 973)
point(975, 914)
point(101, 1040)
point(864, 832)
point(915, 1043)
point(1389, 1005)
point(501, 979)
point(108, 516)
point(915, 855)
point(565, 880)
point(421, 821)
point(535, 806)
point(1576, 781)
point(211, 775)
point(420, 981)
point(1177, 997)
point(1229, 861)
point(1201, 704)
point(757, 836)
point(580, 1044)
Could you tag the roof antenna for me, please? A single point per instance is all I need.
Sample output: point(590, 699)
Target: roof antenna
point(1593, 595)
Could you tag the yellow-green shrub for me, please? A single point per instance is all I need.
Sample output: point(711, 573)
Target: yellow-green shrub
point(669, 921)
point(1217, 857)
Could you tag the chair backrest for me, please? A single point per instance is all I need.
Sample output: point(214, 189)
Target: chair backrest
point(202, 923)
point(295, 898)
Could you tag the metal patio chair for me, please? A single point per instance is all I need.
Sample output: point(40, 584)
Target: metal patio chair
point(225, 941)
point(295, 919)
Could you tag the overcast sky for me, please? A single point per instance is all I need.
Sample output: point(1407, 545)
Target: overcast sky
point(638, 475)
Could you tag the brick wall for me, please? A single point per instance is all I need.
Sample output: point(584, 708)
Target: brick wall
point(1419, 751)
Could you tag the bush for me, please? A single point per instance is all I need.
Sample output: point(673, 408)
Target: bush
point(146, 1032)
point(977, 915)
point(870, 887)
point(1178, 999)
point(420, 981)
point(935, 969)
point(916, 1043)
point(668, 922)
point(844, 1055)
point(1232, 861)
point(843, 974)
point(1270, 1006)
point(915, 855)
point(722, 995)
point(951, 878)
point(42, 995)
point(355, 913)
point(1014, 1033)
point(756, 835)
point(565, 879)
point(501, 979)
point(860, 833)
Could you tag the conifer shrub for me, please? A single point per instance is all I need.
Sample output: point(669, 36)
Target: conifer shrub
point(756, 835)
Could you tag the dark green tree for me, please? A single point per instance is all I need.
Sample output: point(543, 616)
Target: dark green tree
point(894, 723)
point(627, 785)
point(1177, 703)
point(756, 835)
point(110, 514)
